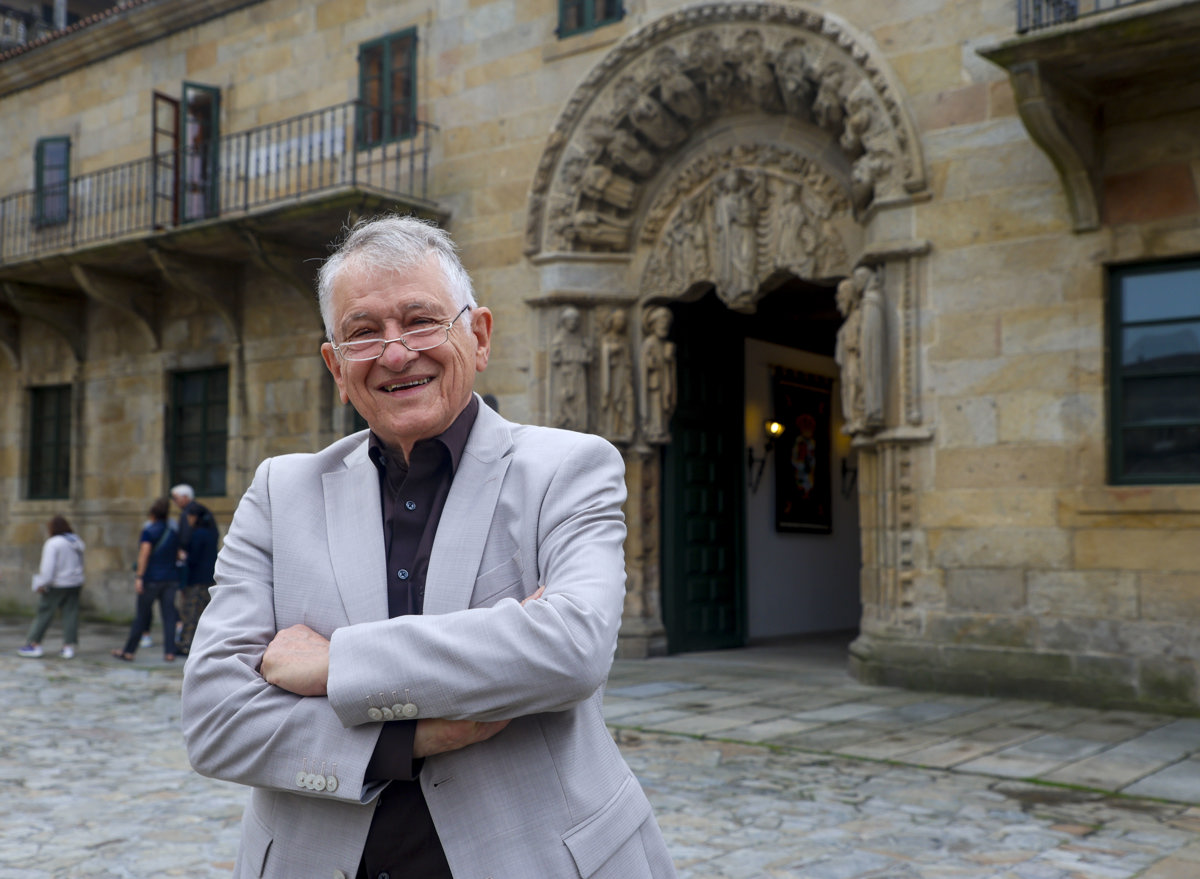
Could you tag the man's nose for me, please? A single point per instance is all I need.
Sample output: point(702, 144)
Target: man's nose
point(395, 355)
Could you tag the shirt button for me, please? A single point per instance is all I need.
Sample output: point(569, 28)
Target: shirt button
point(410, 505)
point(402, 574)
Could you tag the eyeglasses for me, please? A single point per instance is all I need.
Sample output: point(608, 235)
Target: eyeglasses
point(421, 339)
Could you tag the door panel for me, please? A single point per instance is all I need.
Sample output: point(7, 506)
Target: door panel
point(703, 569)
point(201, 173)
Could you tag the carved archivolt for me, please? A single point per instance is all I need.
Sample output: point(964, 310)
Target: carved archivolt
point(664, 82)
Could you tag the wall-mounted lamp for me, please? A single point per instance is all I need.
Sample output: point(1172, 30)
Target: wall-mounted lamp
point(754, 466)
point(849, 479)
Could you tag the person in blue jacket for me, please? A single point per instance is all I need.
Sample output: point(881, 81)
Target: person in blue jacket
point(156, 580)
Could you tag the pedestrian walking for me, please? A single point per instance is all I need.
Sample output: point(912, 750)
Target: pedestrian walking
point(156, 581)
point(58, 582)
point(201, 553)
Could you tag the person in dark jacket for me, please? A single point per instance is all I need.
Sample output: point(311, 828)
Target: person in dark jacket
point(156, 580)
point(201, 560)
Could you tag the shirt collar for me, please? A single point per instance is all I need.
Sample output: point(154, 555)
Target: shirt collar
point(453, 438)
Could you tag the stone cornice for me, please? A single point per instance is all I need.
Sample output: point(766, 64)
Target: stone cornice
point(111, 33)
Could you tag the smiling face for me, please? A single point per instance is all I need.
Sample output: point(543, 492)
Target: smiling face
point(405, 396)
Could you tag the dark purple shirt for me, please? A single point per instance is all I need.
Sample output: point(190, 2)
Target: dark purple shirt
point(402, 840)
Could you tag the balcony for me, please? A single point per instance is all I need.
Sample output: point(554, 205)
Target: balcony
point(1036, 14)
point(273, 196)
point(1079, 68)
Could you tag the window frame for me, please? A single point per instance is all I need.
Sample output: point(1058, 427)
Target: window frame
point(365, 136)
point(55, 192)
point(589, 21)
point(1119, 375)
point(207, 471)
point(48, 471)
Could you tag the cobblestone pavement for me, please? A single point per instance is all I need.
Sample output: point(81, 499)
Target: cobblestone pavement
point(760, 763)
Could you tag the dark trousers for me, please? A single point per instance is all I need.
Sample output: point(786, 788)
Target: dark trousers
point(192, 601)
point(162, 591)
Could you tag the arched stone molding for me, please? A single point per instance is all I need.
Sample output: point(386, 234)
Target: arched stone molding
point(665, 82)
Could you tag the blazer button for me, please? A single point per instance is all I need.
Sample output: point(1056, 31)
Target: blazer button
point(374, 714)
point(387, 713)
point(397, 710)
point(331, 783)
point(409, 710)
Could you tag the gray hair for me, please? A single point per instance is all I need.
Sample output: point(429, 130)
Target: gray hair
point(185, 490)
point(392, 243)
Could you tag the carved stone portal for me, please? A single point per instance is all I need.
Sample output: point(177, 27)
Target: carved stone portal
point(643, 102)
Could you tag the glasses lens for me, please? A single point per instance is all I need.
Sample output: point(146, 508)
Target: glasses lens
point(425, 338)
point(368, 349)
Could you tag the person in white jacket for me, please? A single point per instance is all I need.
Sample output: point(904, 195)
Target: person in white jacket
point(58, 582)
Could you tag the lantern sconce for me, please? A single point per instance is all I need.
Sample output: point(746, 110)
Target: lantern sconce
point(754, 465)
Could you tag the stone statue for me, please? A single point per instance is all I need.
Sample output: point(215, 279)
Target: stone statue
point(861, 351)
point(794, 84)
point(706, 54)
point(873, 349)
point(624, 147)
point(570, 356)
point(755, 74)
point(604, 184)
point(648, 116)
point(735, 215)
point(827, 109)
point(596, 228)
point(675, 89)
point(847, 354)
point(689, 245)
point(658, 376)
point(616, 378)
point(795, 236)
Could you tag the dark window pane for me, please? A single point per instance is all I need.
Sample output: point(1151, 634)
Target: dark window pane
point(1161, 295)
point(1173, 399)
point(1162, 452)
point(1163, 347)
point(50, 442)
point(199, 431)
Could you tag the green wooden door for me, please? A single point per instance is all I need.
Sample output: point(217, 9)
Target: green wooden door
point(703, 475)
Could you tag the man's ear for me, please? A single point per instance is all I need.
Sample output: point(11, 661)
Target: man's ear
point(481, 328)
point(335, 368)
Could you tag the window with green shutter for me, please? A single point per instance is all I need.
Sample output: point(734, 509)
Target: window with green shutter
point(387, 89)
point(577, 16)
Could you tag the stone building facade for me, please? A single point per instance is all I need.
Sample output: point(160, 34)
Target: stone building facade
point(913, 235)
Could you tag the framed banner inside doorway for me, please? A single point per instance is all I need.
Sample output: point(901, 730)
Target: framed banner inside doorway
point(803, 476)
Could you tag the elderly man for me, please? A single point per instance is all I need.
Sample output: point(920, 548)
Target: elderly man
point(410, 630)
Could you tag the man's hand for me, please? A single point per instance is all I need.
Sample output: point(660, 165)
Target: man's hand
point(437, 736)
point(297, 660)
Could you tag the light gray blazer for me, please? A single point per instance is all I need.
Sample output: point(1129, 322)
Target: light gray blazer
point(550, 795)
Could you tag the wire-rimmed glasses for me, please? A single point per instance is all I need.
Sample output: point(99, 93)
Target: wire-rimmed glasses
point(420, 339)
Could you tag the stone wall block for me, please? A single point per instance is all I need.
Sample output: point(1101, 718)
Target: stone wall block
point(1016, 548)
point(985, 590)
point(1169, 597)
point(1091, 595)
point(1138, 549)
point(994, 630)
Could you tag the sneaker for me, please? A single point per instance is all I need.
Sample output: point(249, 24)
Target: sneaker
point(30, 651)
point(68, 652)
point(146, 641)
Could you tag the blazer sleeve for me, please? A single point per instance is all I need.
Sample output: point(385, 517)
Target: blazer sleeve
point(507, 660)
point(236, 726)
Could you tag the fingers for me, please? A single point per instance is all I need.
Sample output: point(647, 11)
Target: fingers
point(535, 596)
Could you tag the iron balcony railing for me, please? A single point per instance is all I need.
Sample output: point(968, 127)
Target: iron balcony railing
point(234, 175)
point(1034, 15)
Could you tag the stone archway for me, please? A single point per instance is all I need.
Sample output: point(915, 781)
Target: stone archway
point(726, 145)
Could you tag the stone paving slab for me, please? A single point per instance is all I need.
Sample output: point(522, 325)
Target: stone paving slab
point(94, 781)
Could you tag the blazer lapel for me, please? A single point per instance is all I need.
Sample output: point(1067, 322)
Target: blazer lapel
point(467, 516)
point(356, 549)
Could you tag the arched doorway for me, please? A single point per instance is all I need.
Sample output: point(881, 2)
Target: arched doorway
point(750, 154)
point(736, 568)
